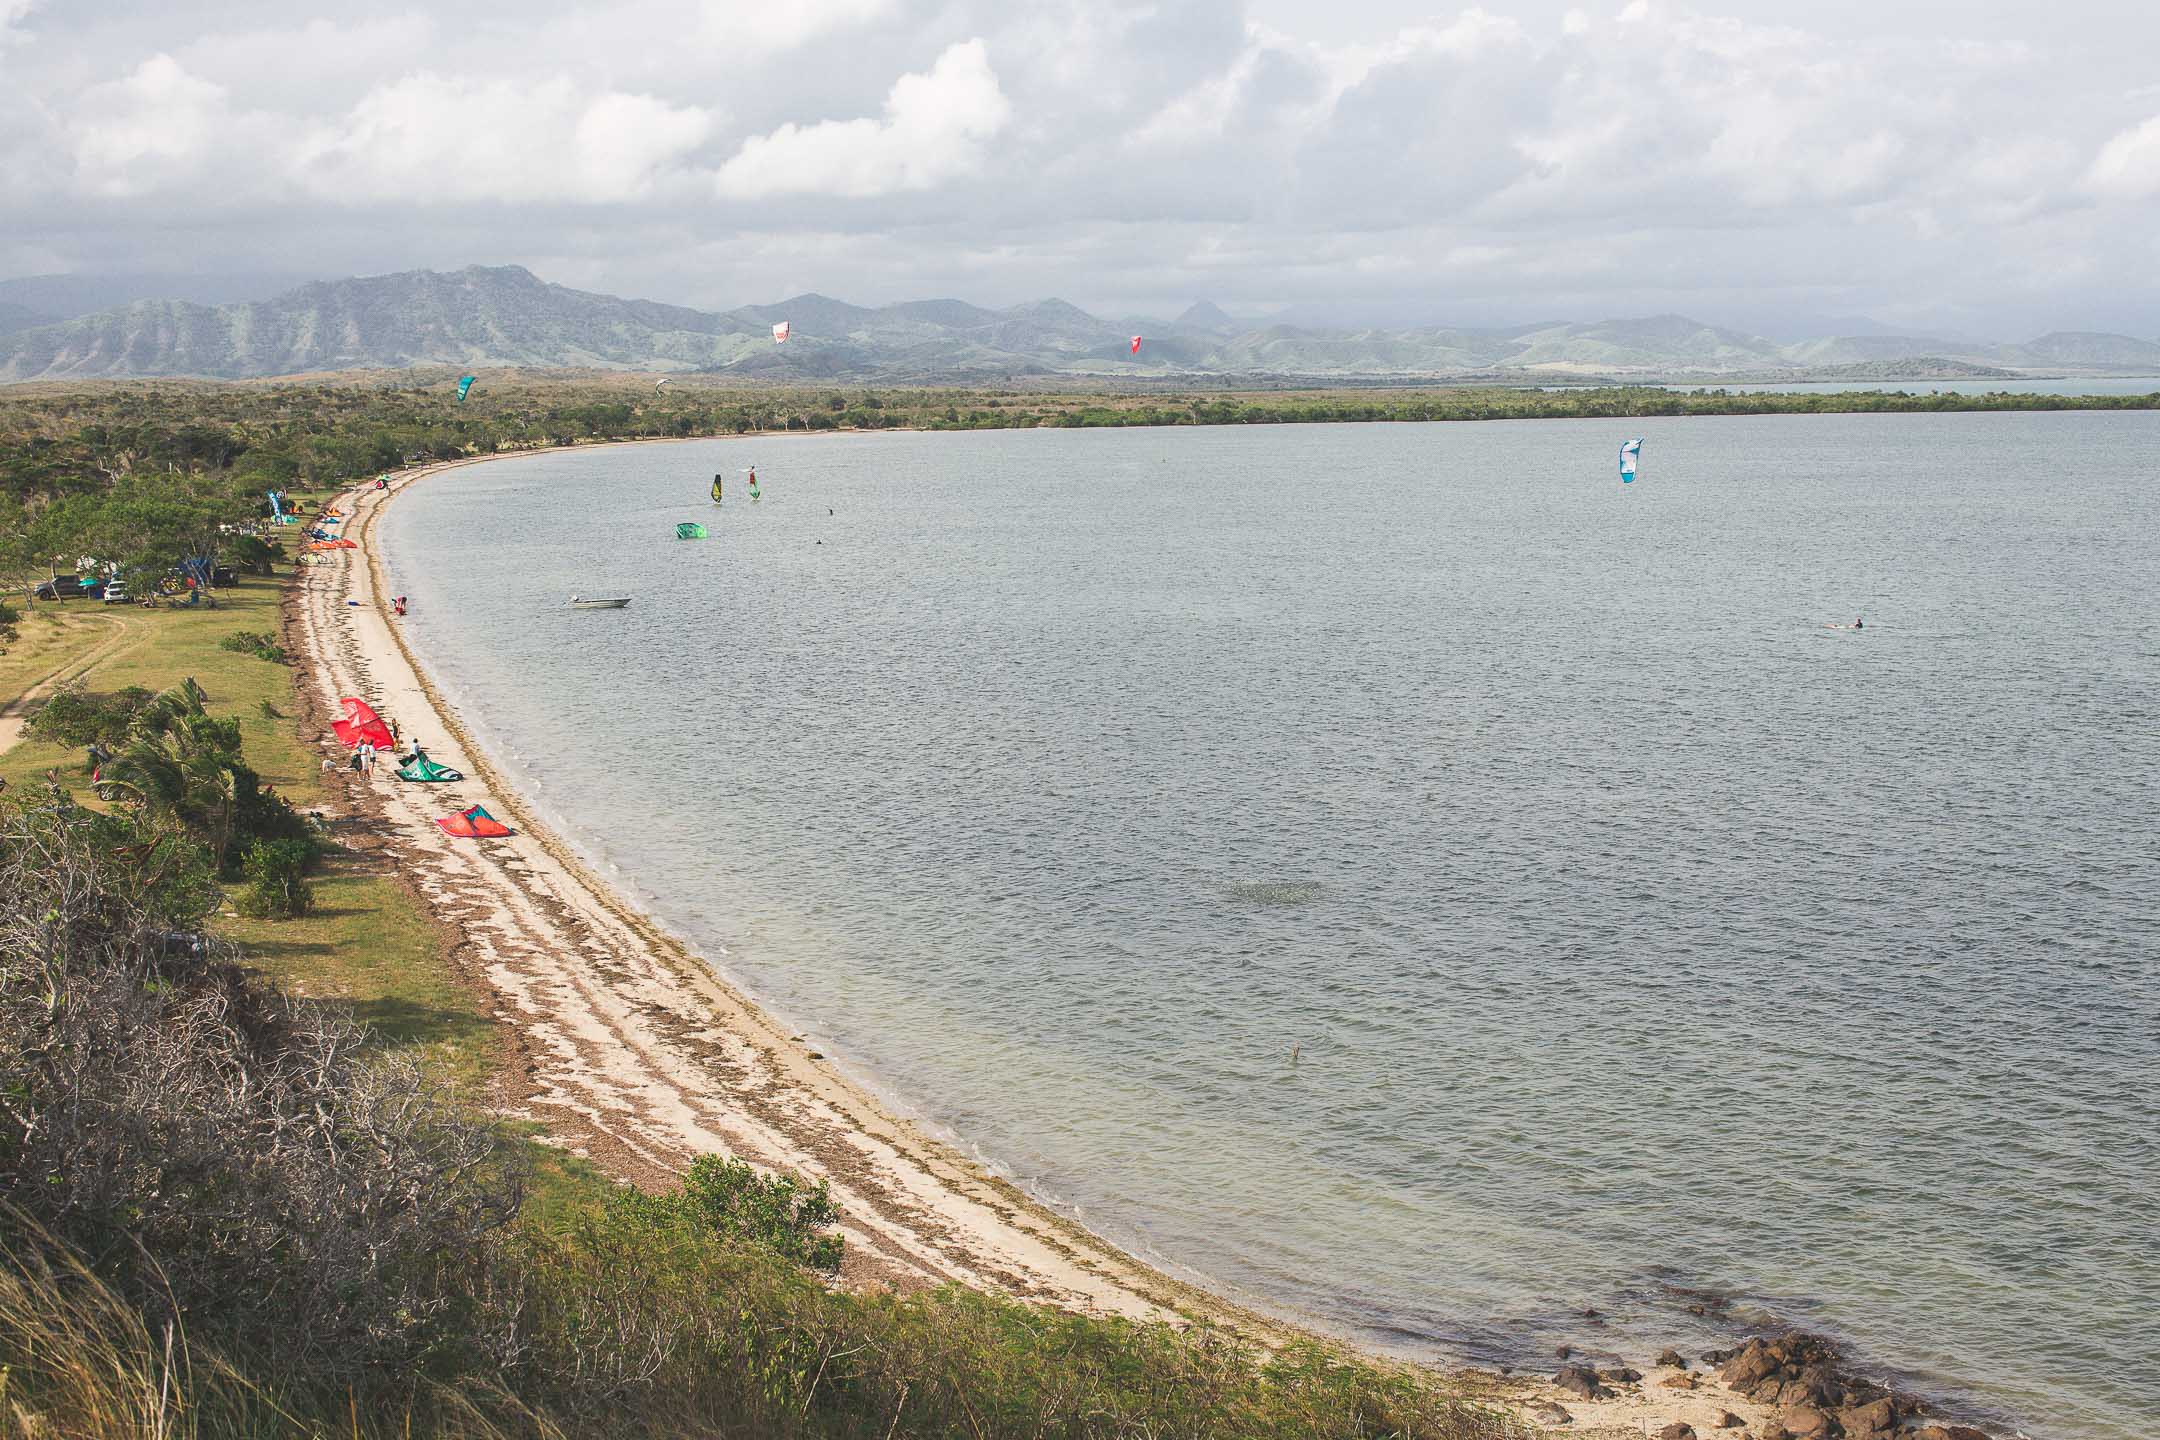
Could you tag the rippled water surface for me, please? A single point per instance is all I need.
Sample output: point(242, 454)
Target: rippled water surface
point(1628, 928)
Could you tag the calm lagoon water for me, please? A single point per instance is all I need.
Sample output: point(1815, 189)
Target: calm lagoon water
point(2089, 385)
point(1632, 930)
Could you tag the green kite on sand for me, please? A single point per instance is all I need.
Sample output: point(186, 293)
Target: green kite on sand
point(426, 771)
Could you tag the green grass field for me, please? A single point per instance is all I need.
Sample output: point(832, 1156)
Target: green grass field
point(368, 942)
point(114, 646)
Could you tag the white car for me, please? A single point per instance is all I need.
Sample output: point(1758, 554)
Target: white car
point(116, 593)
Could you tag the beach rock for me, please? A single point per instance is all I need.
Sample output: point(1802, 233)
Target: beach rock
point(1580, 1380)
point(1826, 1392)
point(1620, 1375)
point(1806, 1422)
point(1565, 1351)
point(1549, 1413)
point(1817, 1389)
point(1753, 1364)
point(1672, 1358)
point(1774, 1430)
point(1862, 1422)
point(1952, 1432)
point(1681, 1381)
point(1678, 1430)
point(1726, 1420)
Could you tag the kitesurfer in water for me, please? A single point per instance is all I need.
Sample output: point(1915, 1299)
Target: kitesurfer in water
point(1856, 623)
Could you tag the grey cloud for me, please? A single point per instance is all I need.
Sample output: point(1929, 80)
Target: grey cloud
point(1984, 165)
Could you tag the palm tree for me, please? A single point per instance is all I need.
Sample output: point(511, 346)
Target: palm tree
point(182, 762)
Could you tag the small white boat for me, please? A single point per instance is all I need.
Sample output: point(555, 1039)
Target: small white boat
point(598, 602)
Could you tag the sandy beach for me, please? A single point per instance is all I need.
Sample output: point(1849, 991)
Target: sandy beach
point(630, 1051)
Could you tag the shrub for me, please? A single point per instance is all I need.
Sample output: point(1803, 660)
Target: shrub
point(75, 716)
point(262, 646)
point(8, 618)
point(727, 1200)
point(255, 554)
point(276, 885)
point(231, 1159)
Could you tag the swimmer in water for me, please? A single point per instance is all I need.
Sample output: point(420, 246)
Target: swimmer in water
point(1856, 623)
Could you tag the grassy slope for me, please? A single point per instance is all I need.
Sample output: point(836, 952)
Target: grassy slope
point(159, 648)
point(368, 942)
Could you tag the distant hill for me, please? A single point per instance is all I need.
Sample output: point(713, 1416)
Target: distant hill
point(1207, 318)
point(506, 317)
point(2086, 348)
point(64, 297)
point(1916, 367)
point(15, 317)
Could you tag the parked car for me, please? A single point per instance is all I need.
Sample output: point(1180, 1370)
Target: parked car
point(116, 592)
point(224, 578)
point(60, 587)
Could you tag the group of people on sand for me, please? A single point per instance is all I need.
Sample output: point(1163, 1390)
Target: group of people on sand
point(367, 752)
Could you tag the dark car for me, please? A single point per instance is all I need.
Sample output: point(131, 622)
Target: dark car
point(60, 587)
point(224, 578)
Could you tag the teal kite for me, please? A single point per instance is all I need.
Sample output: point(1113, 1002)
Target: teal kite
point(464, 384)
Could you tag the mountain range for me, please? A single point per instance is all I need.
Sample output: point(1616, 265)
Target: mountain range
point(507, 317)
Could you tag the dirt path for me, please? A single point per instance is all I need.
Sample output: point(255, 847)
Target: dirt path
point(15, 713)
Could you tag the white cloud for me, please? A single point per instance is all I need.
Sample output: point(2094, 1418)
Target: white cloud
point(2128, 166)
point(1529, 157)
point(768, 28)
point(934, 129)
point(151, 128)
point(429, 139)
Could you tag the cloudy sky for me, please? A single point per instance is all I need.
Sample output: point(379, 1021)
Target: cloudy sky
point(1986, 167)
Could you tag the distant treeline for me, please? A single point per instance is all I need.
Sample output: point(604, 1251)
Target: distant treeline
point(222, 446)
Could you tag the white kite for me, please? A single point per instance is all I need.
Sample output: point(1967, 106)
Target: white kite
point(779, 333)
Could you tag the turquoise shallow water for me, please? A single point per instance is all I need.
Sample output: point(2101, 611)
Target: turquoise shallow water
point(1632, 930)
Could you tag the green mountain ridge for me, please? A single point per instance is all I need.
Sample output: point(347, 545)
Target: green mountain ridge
point(504, 316)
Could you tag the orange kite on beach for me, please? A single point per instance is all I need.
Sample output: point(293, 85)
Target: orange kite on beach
point(474, 824)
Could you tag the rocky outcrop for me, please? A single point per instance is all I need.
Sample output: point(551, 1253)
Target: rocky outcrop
point(1801, 1377)
point(1581, 1380)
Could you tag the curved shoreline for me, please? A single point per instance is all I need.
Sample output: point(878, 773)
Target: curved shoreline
point(628, 1016)
point(633, 1052)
